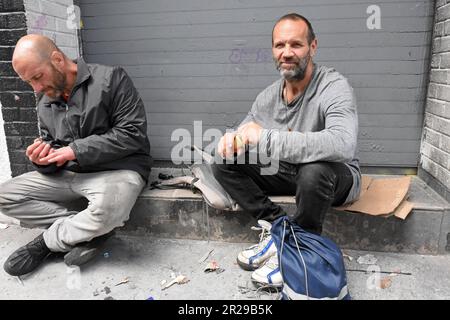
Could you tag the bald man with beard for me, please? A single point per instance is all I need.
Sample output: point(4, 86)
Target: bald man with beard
point(93, 144)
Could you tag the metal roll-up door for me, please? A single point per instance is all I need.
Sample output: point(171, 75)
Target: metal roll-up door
point(202, 60)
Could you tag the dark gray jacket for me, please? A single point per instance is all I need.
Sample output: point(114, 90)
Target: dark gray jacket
point(103, 121)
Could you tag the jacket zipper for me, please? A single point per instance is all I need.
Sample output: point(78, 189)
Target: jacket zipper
point(68, 124)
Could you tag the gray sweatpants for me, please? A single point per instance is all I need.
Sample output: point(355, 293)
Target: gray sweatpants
point(37, 199)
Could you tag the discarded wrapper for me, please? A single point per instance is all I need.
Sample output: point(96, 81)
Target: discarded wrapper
point(213, 266)
point(180, 280)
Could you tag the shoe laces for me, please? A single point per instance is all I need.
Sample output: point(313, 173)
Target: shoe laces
point(264, 236)
point(272, 262)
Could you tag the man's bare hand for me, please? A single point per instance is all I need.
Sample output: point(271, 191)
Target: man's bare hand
point(250, 133)
point(60, 156)
point(226, 147)
point(38, 150)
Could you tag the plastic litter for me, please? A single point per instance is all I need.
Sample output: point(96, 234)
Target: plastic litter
point(205, 256)
point(213, 266)
point(180, 280)
point(126, 280)
point(345, 255)
point(3, 226)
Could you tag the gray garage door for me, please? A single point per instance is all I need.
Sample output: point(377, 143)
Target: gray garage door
point(202, 60)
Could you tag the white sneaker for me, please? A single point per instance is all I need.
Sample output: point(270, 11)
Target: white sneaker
point(255, 256)
point(269, 274)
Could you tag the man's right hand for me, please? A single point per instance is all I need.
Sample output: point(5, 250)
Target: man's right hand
point(38, 150)
point(229, 146)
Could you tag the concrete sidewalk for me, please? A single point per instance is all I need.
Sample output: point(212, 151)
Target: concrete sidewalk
point(147, 261)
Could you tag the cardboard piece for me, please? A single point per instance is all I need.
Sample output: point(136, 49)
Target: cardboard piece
point(382, 197)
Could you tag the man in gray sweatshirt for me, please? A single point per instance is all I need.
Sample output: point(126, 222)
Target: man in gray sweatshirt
point(307, 122)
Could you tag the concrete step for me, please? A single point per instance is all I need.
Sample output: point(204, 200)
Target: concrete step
point(182, 214)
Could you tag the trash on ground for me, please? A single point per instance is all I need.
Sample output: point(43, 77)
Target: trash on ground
point(3, 226)
point(180, 280)
point(126, 280)
point(106, 255)
point(164, 176)
point(205, 256)
point(213, 266)
point(20, 280)
point(245, 288)
point(345, 255)
point(367, 259)
point(385, 282)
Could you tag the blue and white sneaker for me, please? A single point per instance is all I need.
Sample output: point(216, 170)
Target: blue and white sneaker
point(269, 274)
point(254, 257)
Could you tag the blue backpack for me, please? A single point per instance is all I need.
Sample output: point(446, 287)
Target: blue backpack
point(312, 266)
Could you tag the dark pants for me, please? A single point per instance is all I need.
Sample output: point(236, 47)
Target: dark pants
point(317, 186)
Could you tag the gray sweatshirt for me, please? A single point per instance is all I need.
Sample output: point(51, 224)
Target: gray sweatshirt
point(323, 122)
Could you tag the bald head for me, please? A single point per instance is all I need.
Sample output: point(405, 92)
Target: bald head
point(39, 62)
point(34, 47)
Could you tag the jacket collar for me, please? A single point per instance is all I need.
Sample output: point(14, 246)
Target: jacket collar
point(83, 74)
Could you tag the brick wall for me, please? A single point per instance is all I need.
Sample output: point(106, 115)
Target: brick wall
point(18, 18)
point(435, 148)
point(49, 17)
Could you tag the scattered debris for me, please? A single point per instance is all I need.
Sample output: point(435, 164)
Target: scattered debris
point(367, 259)
point(150, 298)
point(106, 255)
point(268, 292)
point(16, 97)
point(213, 266)
point(20, 280)
point(107, 290)
point(126, 280)
point(163, 282)
point(3, 226)
point(385, 282)
point(109, 298)
point(345, 255)
point(205, 256)
point(95, 293)
point(391, 273)
point(245, 288)
point(164, 176)
point(219, 270)
point(180, 280)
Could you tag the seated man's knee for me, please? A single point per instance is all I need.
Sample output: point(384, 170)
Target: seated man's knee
point(108, 211)
point(311, 175)
point(5, 199)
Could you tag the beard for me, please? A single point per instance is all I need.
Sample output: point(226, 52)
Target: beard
point(298, 72)
point(59, 83)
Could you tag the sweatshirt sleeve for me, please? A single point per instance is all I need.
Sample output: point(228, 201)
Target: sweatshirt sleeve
point(336, 142)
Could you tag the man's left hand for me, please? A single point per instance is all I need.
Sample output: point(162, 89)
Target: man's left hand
point(60, 156)
point(250, 133)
